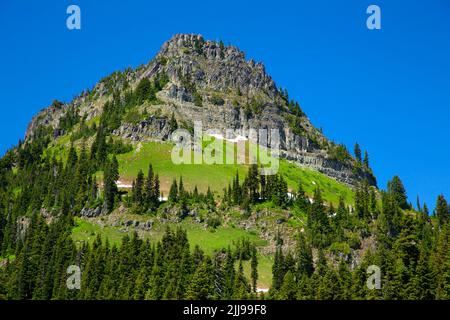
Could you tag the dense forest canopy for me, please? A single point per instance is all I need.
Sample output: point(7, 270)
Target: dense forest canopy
point(39, 197)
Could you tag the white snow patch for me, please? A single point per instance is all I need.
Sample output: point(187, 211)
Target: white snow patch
point(120, 184)
point(234, 140)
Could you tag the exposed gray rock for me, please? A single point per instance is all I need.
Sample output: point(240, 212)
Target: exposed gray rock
point(22, 226)
point(147, 225)
point(193, 212)
point(150, 129)
point(90, 212)
point(198, 219)
point(128, 223)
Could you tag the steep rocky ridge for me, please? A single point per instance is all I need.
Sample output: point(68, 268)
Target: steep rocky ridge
point(214, 84)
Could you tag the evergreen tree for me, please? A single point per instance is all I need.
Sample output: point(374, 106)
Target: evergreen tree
point(366, 160)
point(181, 191)
point(230, 274)
point(344, 281)
point(173, 193)
point(253, 183)
point(99, 151)
point(144, 91)
point(138, 190)
point(301, 200)
point(318, 222)
point(288, 290)
point(111, 175)
point(254, 268)
point(442, 210)
point(422, 284)
point(341, 220)
point(304, 257)
point(237, 196)
point(398, 192)
point(156, 188)
point(201, 286)
point(278, 269)
point(357, 151)
point(150, 197)
point(241, 287)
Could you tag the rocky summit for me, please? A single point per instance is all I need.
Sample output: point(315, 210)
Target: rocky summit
point(207, 81)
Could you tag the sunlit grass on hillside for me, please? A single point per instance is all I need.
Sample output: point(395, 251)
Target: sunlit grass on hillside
point(208, 240)
point(215, 176)
point(218, 176)
point(331, 189)
point(159, 155)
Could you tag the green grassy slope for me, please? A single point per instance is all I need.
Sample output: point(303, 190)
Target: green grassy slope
point(218, 176)
point(159, 155)
point(209, 240)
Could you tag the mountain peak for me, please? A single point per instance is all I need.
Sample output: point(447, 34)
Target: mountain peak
point(212, 65)
point(204, 80)
point(184, 38)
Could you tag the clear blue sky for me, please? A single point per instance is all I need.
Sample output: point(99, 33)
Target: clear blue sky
point(388, 89)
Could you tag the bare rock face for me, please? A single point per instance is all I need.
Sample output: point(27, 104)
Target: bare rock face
point(22, 226)
point(90, 212)
point(215, 66)
point(214, 84)
point(153, 128)
point(46, 117)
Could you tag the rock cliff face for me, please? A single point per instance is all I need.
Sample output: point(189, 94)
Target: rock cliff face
point(214, 84)
point(211, 65)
